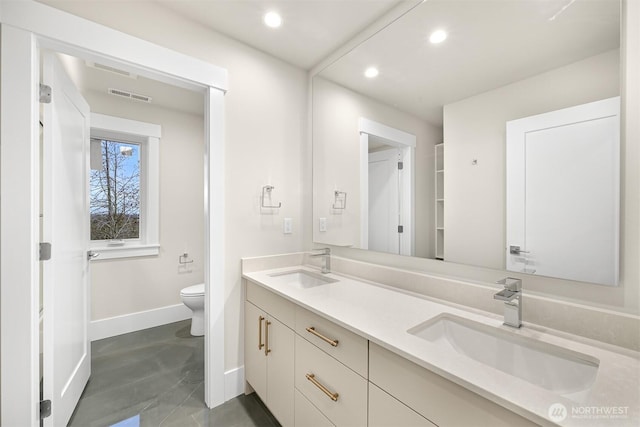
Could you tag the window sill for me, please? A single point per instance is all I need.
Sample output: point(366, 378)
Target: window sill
point(113, 252)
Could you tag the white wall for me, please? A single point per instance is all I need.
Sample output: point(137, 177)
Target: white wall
point(336, 163)
point(475, 128)
point(265, 119)
point(124, 286)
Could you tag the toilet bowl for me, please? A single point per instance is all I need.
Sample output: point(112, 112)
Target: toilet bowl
point(193, 297)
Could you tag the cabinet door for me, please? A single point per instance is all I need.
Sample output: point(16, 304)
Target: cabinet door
point(255, 363)
point(386, 411)
point(280, 346)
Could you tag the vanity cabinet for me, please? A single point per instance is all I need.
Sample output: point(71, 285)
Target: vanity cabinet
point(312, 372)
point(439, 400)
point(269, 351)
point(387, 411)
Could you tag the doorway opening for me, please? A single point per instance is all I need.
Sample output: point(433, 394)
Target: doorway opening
point(27, 28)
point(387, 206)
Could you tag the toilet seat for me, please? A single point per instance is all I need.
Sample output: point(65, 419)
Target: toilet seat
point(193, 291)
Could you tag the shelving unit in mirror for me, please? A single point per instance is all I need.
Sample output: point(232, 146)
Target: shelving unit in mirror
point(439, 204)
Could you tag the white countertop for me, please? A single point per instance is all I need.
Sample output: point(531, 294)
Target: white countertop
point(384, 314)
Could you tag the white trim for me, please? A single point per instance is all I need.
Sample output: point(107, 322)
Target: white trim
point(19, 183)
point(118, 325)
point(120, 125)
point(19, 229)
point(124, 251)
point(364, 190)
point(77, 36)
point(214, 248)
point(234, 382)
point(393, 135)
point(406, 142)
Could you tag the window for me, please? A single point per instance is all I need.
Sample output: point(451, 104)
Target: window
point(123, 195)
point(114, 195)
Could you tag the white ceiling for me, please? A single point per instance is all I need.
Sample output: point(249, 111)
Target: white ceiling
point(89, 79)
point(311, 29)
point(491, 43)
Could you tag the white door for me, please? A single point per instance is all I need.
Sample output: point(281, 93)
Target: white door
point(568, 218)
point(66, 346)
point(384, 201)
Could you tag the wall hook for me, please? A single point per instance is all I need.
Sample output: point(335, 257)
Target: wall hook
point(266, 193)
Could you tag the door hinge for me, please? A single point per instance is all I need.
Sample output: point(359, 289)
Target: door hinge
point(45, 251)
point(45, 409)
point(400, 165)
point(400, 229)
point(45, 94)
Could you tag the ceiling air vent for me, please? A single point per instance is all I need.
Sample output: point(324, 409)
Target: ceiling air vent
point(111, 69)
point(130, 95)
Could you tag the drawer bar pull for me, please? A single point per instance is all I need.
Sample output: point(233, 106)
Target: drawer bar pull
point(260, 344)
point(332, 396)
point(312, 330)
point(267, 350)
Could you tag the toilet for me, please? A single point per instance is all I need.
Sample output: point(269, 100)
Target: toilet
point(193, 297)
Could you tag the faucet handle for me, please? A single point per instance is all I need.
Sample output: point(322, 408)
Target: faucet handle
point(511, 283)
point(325, 251)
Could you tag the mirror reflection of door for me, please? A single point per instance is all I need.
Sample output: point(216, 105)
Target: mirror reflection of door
point(384, 200)
point(386, 188)
point(563, 193)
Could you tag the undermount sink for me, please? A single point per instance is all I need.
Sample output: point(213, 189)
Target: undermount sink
point(302, 278)
point(554, 368)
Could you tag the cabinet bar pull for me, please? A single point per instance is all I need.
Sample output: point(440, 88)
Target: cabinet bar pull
point(332, 396)
point(312, 330)
point(267, 350)
point(260, 344)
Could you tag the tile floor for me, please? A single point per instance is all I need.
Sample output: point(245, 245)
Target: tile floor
point(155, 377)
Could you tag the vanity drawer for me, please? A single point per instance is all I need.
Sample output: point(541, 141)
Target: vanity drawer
point(434, 397)
point(348, 407)
point(344, 345)
point(387, 411)
point(307, 415)
point(273, 304)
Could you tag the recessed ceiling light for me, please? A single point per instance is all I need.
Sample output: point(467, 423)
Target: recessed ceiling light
point(438, 36)
point(272, 19)
point(371, 72)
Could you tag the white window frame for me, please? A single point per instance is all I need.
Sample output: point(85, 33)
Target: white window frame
point(148, 136)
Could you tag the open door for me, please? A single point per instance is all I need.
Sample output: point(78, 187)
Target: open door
point(66, 345)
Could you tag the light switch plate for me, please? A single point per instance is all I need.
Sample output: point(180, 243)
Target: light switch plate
point(287, 226)
point(323, 224)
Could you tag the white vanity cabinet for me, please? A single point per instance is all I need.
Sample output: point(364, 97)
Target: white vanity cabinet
point(312, 372)
point(269, 351)
point(439, 400)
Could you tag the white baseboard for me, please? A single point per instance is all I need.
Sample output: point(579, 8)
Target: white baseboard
point(233, 383)
point(118, 325)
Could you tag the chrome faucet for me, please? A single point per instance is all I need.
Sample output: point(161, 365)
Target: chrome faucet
point(326, 257)
point(512, 297)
